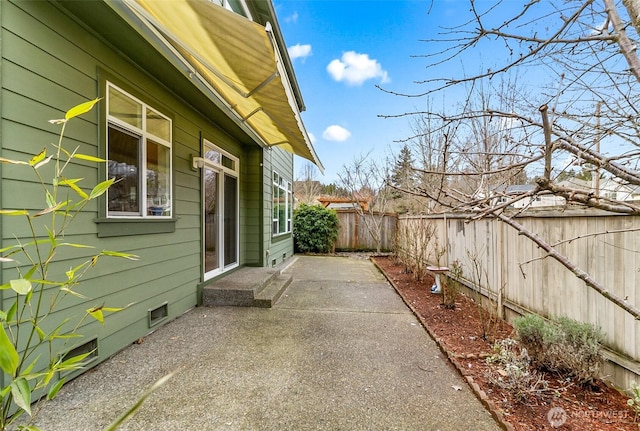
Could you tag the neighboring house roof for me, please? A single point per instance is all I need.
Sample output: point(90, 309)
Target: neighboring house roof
point(575, 183)
point(233, 60)
point(334, 202)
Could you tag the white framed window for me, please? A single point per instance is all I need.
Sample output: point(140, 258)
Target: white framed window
point(282, 205)
point(139, 154)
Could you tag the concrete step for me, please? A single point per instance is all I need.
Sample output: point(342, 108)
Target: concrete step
point(268, 296)
point(247, 287)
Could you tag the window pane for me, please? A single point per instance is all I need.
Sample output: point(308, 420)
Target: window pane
point(282, 212)
point(230, 217)
point(123, 195)
point(125, 108)
point(228, 163)
point(158, 180)
point(213, 155)
point(158, 126)
point(289, 209)
point(211, 209)
point(276, 200)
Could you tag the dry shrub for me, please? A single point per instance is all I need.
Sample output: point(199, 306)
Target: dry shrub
point(412, 247)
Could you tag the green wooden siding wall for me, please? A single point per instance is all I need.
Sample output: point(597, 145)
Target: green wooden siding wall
point(279, 247)
point(51, 63)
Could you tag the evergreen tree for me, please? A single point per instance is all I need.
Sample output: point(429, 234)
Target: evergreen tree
point(403, 176)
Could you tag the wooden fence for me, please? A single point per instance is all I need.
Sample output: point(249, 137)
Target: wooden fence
point(355, 230)
point(517, 275)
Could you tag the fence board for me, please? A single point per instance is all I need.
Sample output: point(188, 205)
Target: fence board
point(353, 233)
point(541, 285)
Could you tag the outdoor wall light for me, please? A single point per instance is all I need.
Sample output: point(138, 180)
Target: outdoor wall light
point(197, 163)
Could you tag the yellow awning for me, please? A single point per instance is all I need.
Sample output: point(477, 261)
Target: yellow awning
point(239, 60)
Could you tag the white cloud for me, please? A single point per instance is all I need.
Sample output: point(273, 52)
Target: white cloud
point(354, 69)
point(336, 133)
point(292, 18)
point(299, 51)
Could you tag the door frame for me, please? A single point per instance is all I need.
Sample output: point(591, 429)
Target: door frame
point(222, 168)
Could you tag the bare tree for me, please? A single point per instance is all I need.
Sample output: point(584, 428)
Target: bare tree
point(582, 56)
point(307, 188)
point(366, 180)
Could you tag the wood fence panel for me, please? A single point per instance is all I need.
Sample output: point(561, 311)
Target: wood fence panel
point(542, 285)
point(354, 230)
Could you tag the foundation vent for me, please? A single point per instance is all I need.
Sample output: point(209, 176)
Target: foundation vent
point(158, 314)
point(90, 348)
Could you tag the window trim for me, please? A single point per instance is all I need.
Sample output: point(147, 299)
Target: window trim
point(287, 186)
point(131, 226)
point(145, 136)
point(222, 170)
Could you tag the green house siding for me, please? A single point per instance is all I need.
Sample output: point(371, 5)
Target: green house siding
point(279, 247)
point(50, 62)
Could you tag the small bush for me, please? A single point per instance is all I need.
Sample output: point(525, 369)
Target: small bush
point(315, 228)
point(563, 345)
point(514, 372)
point(452, 285)
point(634, 399)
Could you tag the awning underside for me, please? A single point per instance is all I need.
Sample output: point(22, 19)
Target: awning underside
point(238, 59)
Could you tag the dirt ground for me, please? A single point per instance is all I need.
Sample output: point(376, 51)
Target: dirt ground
point(562, 405)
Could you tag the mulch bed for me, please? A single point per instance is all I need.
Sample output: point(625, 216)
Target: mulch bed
point(459, 332)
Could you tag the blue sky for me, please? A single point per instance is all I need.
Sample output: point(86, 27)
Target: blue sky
point(340, 51)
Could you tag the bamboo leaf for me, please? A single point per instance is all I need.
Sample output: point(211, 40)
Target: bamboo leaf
point(119, 254)
point(14, 212)
point(50, 209)
point(6, 260)
point(124, 416)
point(29, 428)
point(38, 157)
point(73, 292)
point(8, 355)
point(12, 311)
point(74, 186)
point(88, 157)
point(41, 334)
point(54, 389)
point(101, 188)
point(22, 394)
point(32, 271)
point(66, 336)
point(96, 313)
point(52, 236)
point(13, 162)
point(30, 368)
point(113, 309)
point(21, 286)
point(74, 245)
point(51, 202)
point(80, 109)
point(44, 162)
point(73, 363)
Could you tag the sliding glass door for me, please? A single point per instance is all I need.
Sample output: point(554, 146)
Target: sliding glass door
point(220, 209)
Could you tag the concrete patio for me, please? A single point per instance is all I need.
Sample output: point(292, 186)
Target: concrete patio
point(338, 351)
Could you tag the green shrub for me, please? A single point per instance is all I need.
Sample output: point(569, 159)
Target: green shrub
point(315, 228)
point(562, 345)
